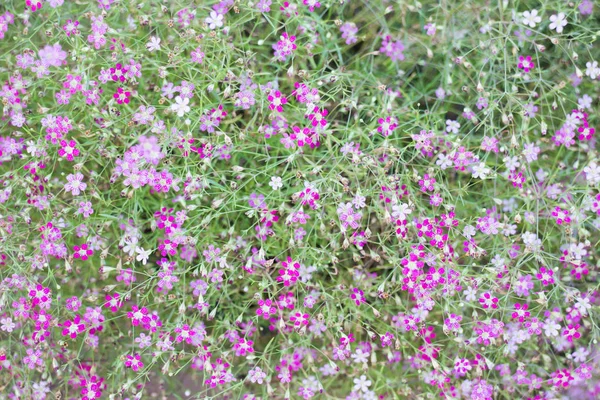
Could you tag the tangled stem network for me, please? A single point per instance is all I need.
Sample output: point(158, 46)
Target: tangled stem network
point(299, 199)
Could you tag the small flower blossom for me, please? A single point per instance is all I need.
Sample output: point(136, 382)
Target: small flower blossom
point(531, 18)
point(153, 44)
point(214, 20)
point(525, 63)
point(558, 22)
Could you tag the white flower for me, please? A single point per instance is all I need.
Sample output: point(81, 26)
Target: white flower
point(7, 324)
point(551, 328)
point(370, 395)
point(558, 22)
point(400, 211)
point(142, 254)
point(532, 241)
point(153, 44)
point(481, 171)
point(444, 161)
point(276, 183)
point(469, 231)
point(531, 18)
point(585, 102)
point(592, 173)
point(577, 251)
point(359, 201)
point(360, 356)
point(511, 163)
point(130, 245)
point(583, 305)
point(181, 106)
point(580, 355)
point(361, 384)
point(215, 20)
point(592, 69)
point(470, 293)
point(541, 175)
point(452, 126)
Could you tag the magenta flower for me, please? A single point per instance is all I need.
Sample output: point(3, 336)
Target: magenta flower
point(571, 332)
point(358, 296)
point(562, 216)
point(73, 327)
point(122, 96)
point(318, 117)
point(299, 319)
point(113, 302)
point(487, 301)
point(134, 362)
point(525, 63)
point(68, 149)
point(243, 347)
point(289, 273)
point(277, 101)
point(82, 252)
point(562, 378)
point(70, 27)
point(265, 308)
point(138, 315)
point(312, 4)
point(521, 312)
point(33, 5)
point(545, 275)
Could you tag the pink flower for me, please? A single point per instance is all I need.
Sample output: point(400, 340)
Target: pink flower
point(73, 327)
point(277, 101)
point(562, 216)
point(243, 347)
point(197, 55)
point(122, 96)
point(525, 63)
point(68, 149)
point(488, 301)
point(545, 275)
point(113, 302)
point(284, 47)
point(82, 252)
point(265, 308)
point(318, 117)
point(134, 362)
point(521, 312)
point(299, 319)
point(52, 55)
point(63, 97)
point(571, 332)
point(312, 4)
point(289, 273)
point(73, 83)
point(427, 183)
point(561, 378)
point(33, 358)
point(358, 296)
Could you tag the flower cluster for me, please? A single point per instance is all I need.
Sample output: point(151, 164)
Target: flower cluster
point(299, 199)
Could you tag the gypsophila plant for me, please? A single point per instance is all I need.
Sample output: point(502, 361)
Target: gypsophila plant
point(267, 199)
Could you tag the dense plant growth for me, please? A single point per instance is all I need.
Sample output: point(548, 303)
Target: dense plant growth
point(305, 199)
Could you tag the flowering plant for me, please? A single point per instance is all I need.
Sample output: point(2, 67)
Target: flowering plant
point(299, 199)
